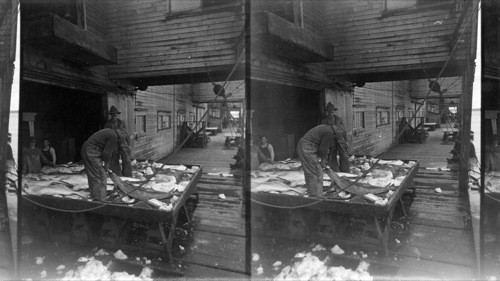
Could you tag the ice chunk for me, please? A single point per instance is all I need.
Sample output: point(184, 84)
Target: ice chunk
point(337, 250)
point(260, 270)
point(120, 255)
point(255, 257)
point(318, 247)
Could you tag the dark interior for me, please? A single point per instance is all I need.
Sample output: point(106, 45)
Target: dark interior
point(283, 114)
point(67, 117)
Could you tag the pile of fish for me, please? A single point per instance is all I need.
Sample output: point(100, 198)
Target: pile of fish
point(310, 267)
point(492, 181)
point(70, 180)
point(371, 176)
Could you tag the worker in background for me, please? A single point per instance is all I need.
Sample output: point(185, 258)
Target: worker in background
point(457, 150)
point(49, 152)
point(492, 152)
point(124, 151)
point(341, 147)
point(265, 151)
point(10, 166)
point(313, 149)
point(33, 159)
point(10, 156)
point(96, 154)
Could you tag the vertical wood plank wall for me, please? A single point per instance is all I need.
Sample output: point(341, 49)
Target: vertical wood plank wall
point(153, 42)
point(367, 40)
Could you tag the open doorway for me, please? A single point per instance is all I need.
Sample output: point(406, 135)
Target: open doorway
point(283, 114)
point(67, 117)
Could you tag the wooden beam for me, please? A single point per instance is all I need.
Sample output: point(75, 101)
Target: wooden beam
point(466, 102)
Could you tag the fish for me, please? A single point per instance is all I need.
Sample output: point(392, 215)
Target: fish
point(55, 190)
point(276, 186)
point(293, 176)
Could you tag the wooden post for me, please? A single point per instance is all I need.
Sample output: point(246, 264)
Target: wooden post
point(466, 101)
point(6, 77)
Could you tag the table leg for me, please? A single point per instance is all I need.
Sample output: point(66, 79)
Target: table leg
point(383, 235)
point(168, 240)
point(186, 213)
point(165, 240)
point(402, 206)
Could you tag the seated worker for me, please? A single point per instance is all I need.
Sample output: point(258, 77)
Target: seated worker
point(49, 153)
point(33, 158)
point(457, 150)
point(492, 152)
point(403, 131)
point(265, 151)
point(241, 156)
point(185, 132)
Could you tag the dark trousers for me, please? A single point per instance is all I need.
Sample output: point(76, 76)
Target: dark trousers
point(96, 174)
point(125, 169)
point(313, 171)
point(342, 164)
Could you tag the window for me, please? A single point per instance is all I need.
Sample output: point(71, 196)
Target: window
point(382, 116)
point(185, 5)
point(391, 5)
point(192, 119)
point(359, 119)
point(70, 10)
point(405, 5)
point(400, 112)
point(164, 120)
point(182, 5)
point(140, 123)
point(211, 3)
point(215, 113)
point(181, 117)
point(290, 10)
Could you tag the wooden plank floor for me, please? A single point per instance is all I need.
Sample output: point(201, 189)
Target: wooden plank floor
point(217, 247)
point(438, 243)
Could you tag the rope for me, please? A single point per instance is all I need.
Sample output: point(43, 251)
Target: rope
point(491, 197)
point(288, 207)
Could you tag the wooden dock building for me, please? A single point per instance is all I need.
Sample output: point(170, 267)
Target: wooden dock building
point(158, 61)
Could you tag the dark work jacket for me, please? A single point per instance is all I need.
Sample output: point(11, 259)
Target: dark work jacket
point(323, 137)
point(106, 140)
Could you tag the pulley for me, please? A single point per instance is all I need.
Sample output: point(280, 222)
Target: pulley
point(219, 90)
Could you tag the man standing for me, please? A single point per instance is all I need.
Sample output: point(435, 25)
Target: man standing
point(313, 151)
point(96, 155)
point(341, 146)
point(124, 151)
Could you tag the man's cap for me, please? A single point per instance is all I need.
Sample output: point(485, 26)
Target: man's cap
point(330, 106)
point(113, 110)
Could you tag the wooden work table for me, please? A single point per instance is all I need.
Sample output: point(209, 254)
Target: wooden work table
point(118, 217)
point(323, 217)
